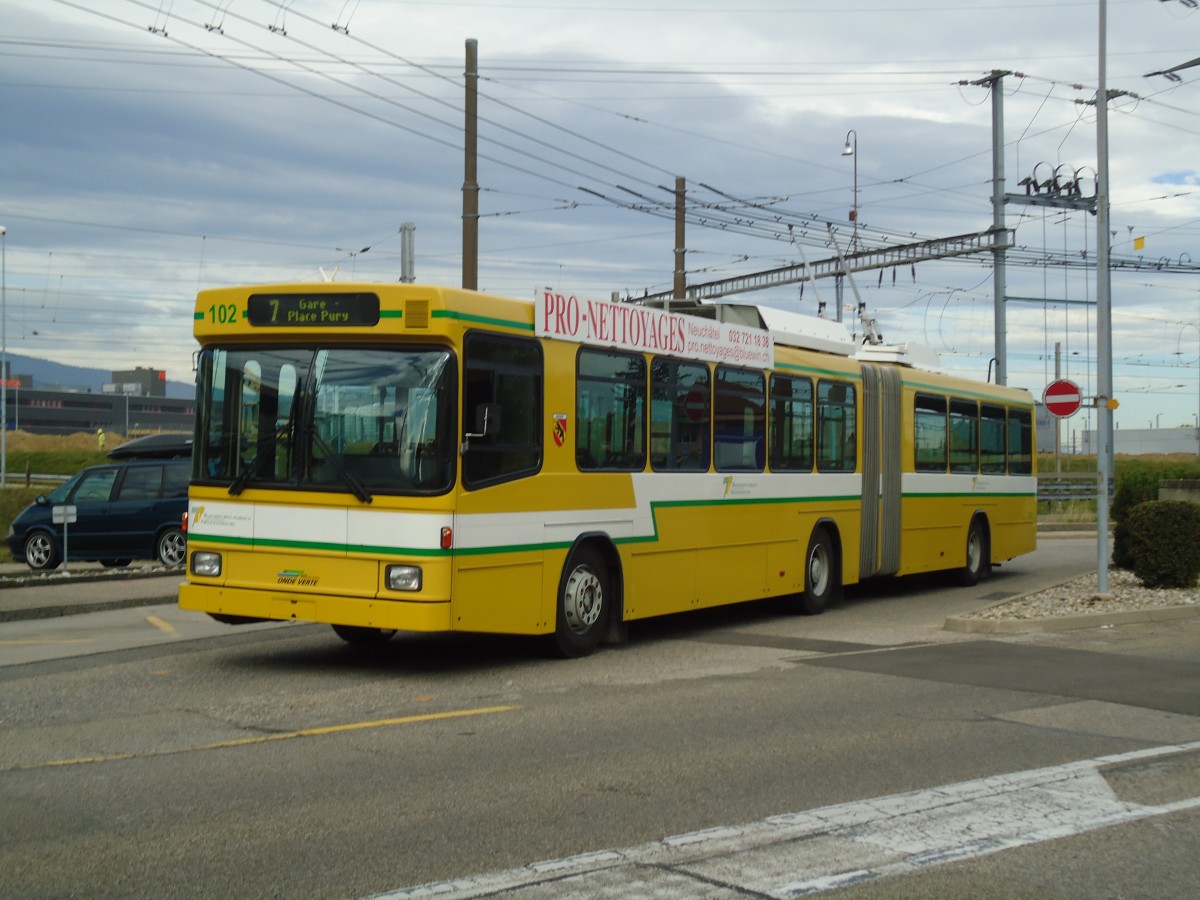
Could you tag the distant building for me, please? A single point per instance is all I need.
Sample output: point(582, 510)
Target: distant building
point(133, 403)
point(1137, 441)
point(1077, 437)
point(68, 412)
point(140, 382)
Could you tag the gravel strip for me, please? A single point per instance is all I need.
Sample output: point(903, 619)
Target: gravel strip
point(1079, 597)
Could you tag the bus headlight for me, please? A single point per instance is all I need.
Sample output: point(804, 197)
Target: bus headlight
point(403, 578)
point(206, 564)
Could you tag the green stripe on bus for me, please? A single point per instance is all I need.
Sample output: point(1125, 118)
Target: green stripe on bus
point(481, 320)
point(281, 544)
point(969, 495)
point(815, 370)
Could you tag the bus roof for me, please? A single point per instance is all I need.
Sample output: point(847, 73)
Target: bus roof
point(791, 329)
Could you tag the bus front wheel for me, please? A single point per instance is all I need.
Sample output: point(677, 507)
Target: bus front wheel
point(583, 602)
point(820, 575)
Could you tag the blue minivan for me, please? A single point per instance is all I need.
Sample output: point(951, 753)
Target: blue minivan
point(123, 511)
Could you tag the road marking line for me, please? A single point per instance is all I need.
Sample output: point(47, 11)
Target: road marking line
point(162, 626)
point(803, 853)
point(36, 642)
point(267, 738)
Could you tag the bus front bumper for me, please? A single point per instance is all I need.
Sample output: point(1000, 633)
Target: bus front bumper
point(401, 615)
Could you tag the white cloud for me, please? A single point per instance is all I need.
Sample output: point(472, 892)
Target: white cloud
point(139, 167)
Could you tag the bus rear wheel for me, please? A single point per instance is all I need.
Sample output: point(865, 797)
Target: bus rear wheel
point(359, 636)
point(583, 603)
point(979, 562)
point(820, 575)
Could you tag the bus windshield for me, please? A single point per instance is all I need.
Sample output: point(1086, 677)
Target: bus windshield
point(342, 419)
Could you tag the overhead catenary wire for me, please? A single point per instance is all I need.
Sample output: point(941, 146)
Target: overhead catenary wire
point(728, 219)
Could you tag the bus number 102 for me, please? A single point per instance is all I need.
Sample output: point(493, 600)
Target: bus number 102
point(222, 314)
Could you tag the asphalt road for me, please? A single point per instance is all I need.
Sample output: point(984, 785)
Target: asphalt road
point(741, 752)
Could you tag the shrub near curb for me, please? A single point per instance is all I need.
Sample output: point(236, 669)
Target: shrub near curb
point(1160, 542)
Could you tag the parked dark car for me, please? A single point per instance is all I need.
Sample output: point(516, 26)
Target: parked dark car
point(124, 511)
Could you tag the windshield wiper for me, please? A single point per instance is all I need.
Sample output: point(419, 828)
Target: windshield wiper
point(239, 483)
point(335, 459)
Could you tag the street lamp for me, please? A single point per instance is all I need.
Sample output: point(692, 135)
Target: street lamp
point(851, 149)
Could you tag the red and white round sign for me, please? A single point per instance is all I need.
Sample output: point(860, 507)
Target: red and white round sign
point(1061, 398)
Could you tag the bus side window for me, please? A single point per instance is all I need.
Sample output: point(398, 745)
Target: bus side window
point(964, 436)
point(929, 433)
point(991, 440)
point(506, 372)
point(837, 437)
point(610, 410)
point(1020, 442)
point(680, 411)
point(739, 421)
point(791, 424)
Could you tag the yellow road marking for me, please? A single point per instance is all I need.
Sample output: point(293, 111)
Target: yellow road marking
point(33, 642)
point(267, 738)
point(161, 625)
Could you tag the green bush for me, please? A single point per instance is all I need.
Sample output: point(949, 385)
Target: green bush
point(1122, 551)
point(1137, 480)
point(1159, 541)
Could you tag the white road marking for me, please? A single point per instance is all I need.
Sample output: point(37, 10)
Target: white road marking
point(804, 853)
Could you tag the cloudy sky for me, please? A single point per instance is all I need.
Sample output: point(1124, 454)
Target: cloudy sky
point(150, 148)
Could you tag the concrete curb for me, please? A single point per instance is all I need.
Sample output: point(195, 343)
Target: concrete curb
point(84, 576)
point(1068, 623)
point(25, 595)
point(53, 611)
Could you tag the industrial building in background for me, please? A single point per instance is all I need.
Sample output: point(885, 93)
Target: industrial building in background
point(132, 402)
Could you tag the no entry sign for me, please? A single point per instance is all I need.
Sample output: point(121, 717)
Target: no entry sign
point(1061, 398)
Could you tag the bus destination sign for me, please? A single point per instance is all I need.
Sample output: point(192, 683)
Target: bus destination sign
point(313, 310)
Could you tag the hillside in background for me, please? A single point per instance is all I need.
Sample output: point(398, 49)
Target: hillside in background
point(48, 376)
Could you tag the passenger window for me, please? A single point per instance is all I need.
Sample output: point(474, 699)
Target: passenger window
point(1020, 442)
point(791, 424)
point(679, 416)
point(175, 481)
point(141, 483)
point(964, 436)
point(991, 440)
point(929, 429)
point(611, 411)
point(95, 487)
point(837, 434)
point(740, 421)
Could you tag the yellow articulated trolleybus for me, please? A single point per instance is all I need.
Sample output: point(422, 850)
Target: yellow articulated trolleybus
point(384, 457)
